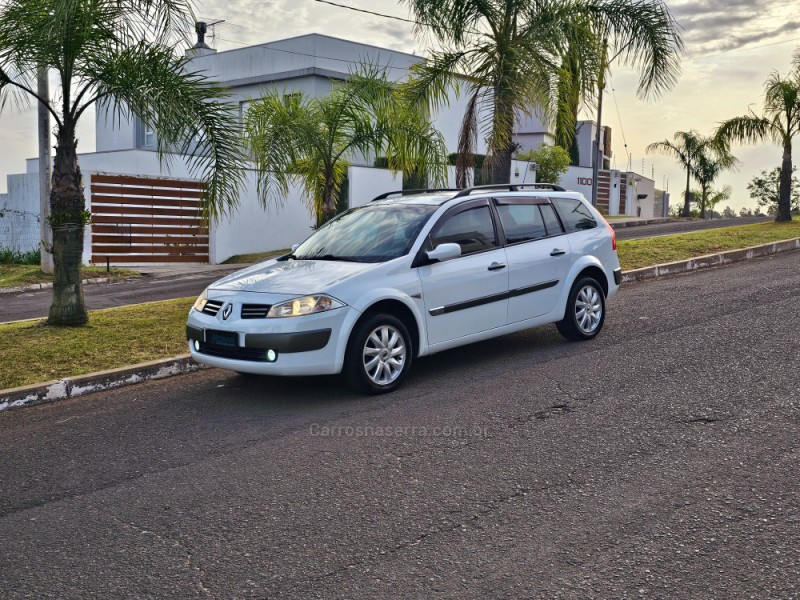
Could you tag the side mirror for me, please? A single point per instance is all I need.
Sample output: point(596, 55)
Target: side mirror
point(295, 247)
point(444, 252)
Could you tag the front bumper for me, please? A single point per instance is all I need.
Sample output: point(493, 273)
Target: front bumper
point(285, 343)
point(308, 345)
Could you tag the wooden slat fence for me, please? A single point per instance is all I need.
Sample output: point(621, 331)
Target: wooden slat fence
point(147, 220)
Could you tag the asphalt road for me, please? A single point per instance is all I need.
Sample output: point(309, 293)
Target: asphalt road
point(660, 460)
point(645, 231)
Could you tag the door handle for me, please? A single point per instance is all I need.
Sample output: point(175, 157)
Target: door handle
point(557, 252)
point(496, 266)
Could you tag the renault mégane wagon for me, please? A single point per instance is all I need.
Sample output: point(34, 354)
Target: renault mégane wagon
point(411, 274)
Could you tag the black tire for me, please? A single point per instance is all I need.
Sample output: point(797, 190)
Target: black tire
point(385, 338)
point(585, 312)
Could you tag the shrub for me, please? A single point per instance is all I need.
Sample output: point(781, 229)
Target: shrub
point(15, 257)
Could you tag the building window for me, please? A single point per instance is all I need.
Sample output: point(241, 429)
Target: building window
point(149, 137)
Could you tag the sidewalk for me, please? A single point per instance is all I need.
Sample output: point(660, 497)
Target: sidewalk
point(635, 221)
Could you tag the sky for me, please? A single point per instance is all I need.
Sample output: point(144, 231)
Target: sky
point(731, 47)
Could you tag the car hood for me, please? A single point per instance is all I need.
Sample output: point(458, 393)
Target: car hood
point(291, 276)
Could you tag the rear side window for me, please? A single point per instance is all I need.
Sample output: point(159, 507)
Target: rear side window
point(521, 222)
point(574, 215)
point(551, 221)
point(472, 229)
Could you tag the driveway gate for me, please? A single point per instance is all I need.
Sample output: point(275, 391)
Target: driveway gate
point(147, 220)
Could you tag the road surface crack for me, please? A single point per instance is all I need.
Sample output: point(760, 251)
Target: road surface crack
point(462, 524)
point(190, 562)
point(702, 420)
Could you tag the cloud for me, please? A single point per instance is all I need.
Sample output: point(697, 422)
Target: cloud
point(724, 25)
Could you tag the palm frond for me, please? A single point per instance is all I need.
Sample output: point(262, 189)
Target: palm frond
point(187, 111)
point(745, 129)
point(432, 81)
point(315, 140)
point(644, 33)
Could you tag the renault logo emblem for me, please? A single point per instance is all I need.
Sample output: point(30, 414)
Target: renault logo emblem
point(226, 312)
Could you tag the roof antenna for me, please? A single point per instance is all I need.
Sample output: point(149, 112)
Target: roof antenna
point(201, 48)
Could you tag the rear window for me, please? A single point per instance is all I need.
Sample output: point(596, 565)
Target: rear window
point(574, 214)
point(551, 220)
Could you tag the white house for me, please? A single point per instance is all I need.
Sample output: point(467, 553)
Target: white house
point(124, 171)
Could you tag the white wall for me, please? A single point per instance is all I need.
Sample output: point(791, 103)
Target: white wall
point(584, 133)
point(255, 228)
point(368, 182)
point(638, 184)
point(251, 228)
point(19, 213)
point(113, 133)
point(578, 179)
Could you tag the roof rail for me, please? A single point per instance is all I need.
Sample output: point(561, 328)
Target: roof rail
point(510, 187)
point(409, 192)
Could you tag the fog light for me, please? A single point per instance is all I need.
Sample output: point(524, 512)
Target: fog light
point(272, 356)
point(197, 345)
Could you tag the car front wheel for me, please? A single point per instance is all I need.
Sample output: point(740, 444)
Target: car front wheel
point(586, 311)
point(379, 354)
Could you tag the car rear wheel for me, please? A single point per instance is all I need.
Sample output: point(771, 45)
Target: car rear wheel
point(379, 354)
point(586, 311)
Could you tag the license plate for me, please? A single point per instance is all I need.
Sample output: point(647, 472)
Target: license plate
point(222, 338)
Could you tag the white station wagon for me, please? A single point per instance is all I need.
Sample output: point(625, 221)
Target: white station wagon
point(403, 277)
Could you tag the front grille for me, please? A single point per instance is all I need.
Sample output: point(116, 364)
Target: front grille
point(255, 311)
point(212, 307)
point(253, 354)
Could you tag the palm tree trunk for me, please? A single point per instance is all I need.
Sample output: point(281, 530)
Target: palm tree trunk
point(501, 164)
point(67, 208)
point(502, 142)
point(703, 192)
point(784, 199)
point(687, 209)
point(328, 202)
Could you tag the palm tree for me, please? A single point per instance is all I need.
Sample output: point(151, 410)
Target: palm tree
point(509, 55)
point(315, 139)
point(686, 148)
point(714, 159)
point(120, 55)
point(780, 122)
point(714, 197)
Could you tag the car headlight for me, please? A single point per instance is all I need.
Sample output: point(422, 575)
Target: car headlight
point(200, 303)
point(306, 305)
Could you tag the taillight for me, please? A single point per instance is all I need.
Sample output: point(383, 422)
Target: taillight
point(613, 233)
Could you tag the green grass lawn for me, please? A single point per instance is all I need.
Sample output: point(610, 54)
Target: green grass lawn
point(116, 337)
point(33, 352)
point(634, 254)
point(14, 275)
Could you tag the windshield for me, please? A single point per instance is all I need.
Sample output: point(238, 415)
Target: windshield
point(367, 234)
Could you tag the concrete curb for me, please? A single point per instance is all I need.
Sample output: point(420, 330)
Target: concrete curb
point(46, 286)
point(72, 387)
point(626, 224)
point(709, 260)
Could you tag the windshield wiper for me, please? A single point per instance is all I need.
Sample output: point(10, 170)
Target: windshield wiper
point(334, 257)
